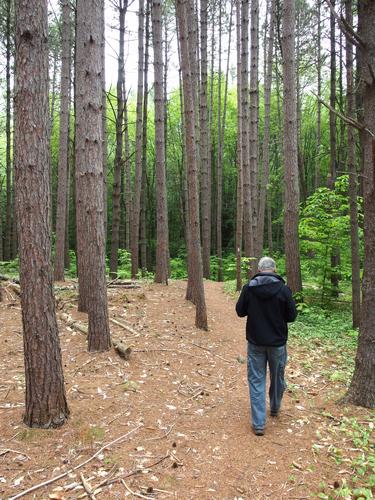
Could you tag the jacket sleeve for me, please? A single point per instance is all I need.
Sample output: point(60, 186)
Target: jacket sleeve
point(241, 306)
point(291, 310)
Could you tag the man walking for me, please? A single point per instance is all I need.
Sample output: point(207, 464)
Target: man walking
point(269, 306)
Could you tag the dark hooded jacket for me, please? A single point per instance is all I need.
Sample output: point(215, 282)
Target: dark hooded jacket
point(269, 306)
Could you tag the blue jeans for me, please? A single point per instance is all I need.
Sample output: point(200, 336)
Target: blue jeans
point(257, 358)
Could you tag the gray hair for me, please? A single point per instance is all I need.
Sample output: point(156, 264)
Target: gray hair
point(266, 264)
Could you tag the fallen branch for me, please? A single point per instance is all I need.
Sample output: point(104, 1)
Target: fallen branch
point(60, 476)
point(8, 450)
point(87, 487)
point(134, 493)
point(125, 327)
point(98, 488)
point(73, 323)
point(126, 286)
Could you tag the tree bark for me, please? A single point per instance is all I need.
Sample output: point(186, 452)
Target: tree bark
point(239, 204)
point(362, 388)
point(203, 115)
point(162, 251)
point(134, 241)
point(264, 189)
point(353, 190)
point(196, 272)
point(89, 172)
point(291, 183)
point(144, 196)
point(319, 105)
point(62, 184)
point(335, 255)
point(219, 164)
point(116, 195)
point(253, 131)
point(45, 404)
point(247, 207)
point(128, 192)
point(6, 250)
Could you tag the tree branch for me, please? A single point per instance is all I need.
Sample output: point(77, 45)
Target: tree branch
point(348, 31)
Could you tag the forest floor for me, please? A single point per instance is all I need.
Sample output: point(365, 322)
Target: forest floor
point(181, 404)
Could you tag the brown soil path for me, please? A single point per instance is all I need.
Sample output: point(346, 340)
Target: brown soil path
point(187, 391)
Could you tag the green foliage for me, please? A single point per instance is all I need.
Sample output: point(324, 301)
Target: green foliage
point(324, 226)
point(10, 268)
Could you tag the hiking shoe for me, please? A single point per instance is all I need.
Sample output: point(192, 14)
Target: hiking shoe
point(258, 432)
point(274, 413)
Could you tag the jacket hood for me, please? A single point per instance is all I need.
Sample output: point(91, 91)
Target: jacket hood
point(266, 285)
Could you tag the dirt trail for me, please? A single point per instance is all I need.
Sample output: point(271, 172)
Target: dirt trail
point(188, 391)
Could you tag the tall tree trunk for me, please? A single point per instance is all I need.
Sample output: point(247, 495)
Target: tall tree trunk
point(6, 251)
point(247, 207)
point(291, 183)
point(264, 189)
point(335, 255)
point(116, 195)
point(362, 387)
point(219, 164)
point(128, 192)
point(196, 271)
point(104, 125)
point(45, 404)
point(204, 159)
point(162, 251)
point(53, 91)
point(89, 172)
point(62, 185)
point(143, 208)
point(138, 149)
point(319, 105)
point(352, 169)
point(239, 204)
point(253, 131)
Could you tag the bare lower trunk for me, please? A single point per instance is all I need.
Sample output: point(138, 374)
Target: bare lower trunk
point(253, 131)
point(116, 195)
point(195, 270)
point(362, 387)
point(353, 192)
point(162, 252)
point(45, 404)
point(247, 208)
point(89, 172)
point(203, 115)
point(239, 211)
point(138, 148)
point(6, 250)
point(264, 189)
point(62, 186)
point(291, 217)
point(144, 197)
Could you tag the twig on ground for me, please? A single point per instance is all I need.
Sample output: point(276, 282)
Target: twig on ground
point(8, 450)
point(125, 327)
point(210, 351)
point(60, 476)
point(87, 487)
point(135, 493)
point(84, 364)
point(164, 435)
point(98, 488)
point(138, 471)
